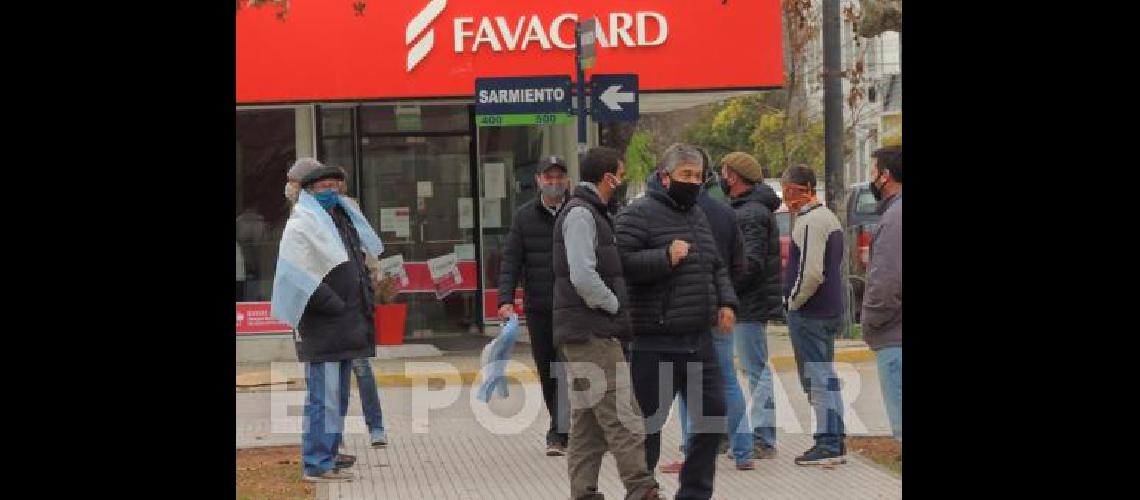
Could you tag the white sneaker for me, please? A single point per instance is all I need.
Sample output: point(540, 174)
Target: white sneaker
point(331, 476)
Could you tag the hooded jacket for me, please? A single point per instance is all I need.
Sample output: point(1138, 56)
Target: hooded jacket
point(758, 288)
point(671, 308)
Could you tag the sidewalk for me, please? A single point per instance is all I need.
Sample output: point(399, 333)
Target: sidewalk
point(452, 452)
point(447, 452)
point(402, 372)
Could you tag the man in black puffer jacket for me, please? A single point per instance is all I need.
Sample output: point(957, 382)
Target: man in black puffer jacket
point(679, 290)
point(527, 254)
point(758, 289)
point(730, 243)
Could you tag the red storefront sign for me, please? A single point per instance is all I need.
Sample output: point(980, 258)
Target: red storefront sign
point(253, 317)
point(436, 48)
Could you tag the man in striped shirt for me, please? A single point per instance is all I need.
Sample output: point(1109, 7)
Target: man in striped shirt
point(813, 293)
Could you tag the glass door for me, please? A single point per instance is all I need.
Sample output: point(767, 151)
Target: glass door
point(508, 162)
point(413, 187)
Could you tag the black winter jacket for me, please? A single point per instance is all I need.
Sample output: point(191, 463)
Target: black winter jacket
point(758, 288)
point(338, 322)
point(671, 308)
point(527, 255)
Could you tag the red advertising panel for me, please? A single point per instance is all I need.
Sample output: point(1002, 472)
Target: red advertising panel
point(253, 317)
point(433, 48)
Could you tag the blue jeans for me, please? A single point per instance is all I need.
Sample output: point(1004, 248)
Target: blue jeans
point(739, 431)
point(751, 342)
point(325, 407)
point(369, 398)
point(890, 381)
point(813, 342)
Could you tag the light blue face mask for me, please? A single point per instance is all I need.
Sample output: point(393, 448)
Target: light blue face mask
point(327, 198)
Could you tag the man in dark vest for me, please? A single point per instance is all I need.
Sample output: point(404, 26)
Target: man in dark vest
point(591, 318)
point(679, 290)
point(527, 254)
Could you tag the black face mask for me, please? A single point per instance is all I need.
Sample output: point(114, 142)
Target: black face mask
point(684, 193)
point(876, 190)
point(724, 186)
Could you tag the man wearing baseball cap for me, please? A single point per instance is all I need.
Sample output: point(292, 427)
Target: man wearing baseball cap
point(527, 257)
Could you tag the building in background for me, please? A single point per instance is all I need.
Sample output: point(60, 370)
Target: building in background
point(389, 97)
point(882, 87)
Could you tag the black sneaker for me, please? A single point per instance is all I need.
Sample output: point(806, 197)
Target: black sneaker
point(344, 461)
point(819, 456)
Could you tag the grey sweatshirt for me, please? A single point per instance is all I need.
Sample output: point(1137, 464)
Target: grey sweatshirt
point(581, 239)
point(882, 300)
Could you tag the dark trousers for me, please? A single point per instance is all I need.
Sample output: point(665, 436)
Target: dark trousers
point(541, 328)
point(657, 378)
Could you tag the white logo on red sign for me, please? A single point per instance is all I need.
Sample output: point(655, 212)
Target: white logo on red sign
point(417, 26)
point(499, 33)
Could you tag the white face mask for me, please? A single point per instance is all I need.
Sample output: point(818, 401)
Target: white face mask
point(292, 192)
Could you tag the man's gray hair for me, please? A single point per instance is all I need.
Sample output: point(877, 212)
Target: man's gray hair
point(679, 154)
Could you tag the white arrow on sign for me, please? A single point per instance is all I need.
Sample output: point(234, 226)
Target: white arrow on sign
point(611, 97)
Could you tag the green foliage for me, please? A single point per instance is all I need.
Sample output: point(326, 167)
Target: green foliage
point(639, 158)
point(758, 124)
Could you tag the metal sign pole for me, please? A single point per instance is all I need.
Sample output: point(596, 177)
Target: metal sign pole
point(581, 89)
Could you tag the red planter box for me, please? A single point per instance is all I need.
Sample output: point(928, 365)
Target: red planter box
point(390, 322)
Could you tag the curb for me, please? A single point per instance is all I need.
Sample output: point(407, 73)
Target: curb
point(434, 379)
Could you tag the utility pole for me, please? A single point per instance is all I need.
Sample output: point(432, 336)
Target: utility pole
point(832, 104)
point(833, 134)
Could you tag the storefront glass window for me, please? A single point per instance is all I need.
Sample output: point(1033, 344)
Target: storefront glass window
point(337, 147)
point(412, 191)
point(412, 118)
point(508, 160)
point(266, 147)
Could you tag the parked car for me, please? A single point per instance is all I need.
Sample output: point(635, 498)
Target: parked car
point(859, 220)
point(784, 222)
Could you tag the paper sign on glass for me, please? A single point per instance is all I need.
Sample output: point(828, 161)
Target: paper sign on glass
point(492, 213)
point(465, 251)
point(445, 274)
point(394, 266)
point(395, 219)
point(466, 213)
point(495, 181)
point(423, 189)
